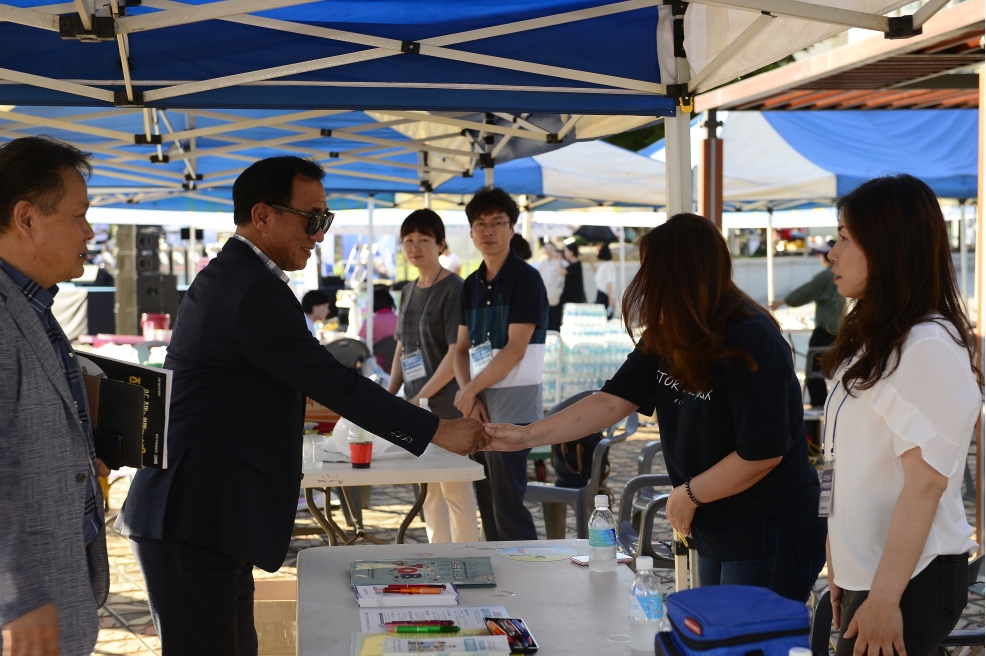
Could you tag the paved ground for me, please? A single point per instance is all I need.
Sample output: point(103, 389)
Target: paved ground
point(126, 624)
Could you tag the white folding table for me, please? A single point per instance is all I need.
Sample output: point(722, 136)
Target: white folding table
point(435, 465)
point(568, 609)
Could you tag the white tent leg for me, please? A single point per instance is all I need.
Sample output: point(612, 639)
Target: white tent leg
point(489, 176)
point(770, 255)
point(369, 274)
point(679, 163)
point(679, 149)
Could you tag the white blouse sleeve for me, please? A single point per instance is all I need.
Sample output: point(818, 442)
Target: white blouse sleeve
point(931, 401)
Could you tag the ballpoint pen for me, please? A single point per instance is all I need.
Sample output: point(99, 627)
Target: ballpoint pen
point(415, 585)
point(425, 629)
point(419, 623)
point(413, 591)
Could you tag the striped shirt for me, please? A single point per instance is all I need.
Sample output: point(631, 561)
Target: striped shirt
point(276, 270)
point(41, 300)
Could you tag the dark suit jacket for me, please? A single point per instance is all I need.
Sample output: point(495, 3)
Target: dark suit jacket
point(243, 361)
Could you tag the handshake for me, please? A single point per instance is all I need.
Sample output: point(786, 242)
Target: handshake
point(467, 436)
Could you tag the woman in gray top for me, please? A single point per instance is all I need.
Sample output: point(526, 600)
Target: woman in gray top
point(427, 330)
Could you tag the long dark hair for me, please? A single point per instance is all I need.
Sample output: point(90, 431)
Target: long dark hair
point(683, 296)
point(898, 224)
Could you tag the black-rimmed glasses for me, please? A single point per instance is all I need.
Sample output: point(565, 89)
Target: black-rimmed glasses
point(316, 222)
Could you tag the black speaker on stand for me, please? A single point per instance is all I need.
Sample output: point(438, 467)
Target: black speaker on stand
point(157, 292)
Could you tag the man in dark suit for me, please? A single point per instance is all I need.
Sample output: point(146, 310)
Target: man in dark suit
point(243, 361)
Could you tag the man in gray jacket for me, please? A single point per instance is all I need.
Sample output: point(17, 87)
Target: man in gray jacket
point(53, 568)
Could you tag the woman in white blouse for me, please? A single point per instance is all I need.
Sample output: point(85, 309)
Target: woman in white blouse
point(898, 425)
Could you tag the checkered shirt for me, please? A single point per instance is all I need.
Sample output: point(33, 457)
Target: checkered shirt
point(41, 300)
point(263, 258)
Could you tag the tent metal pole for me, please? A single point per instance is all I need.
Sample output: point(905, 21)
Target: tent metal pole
point(369, 275)
point(679, 164)
point(770, 255)
point(963, 264)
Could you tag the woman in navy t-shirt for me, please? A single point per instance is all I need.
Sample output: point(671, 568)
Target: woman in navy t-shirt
point(714, 365)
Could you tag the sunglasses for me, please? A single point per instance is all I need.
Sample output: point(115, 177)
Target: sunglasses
point(316, 222)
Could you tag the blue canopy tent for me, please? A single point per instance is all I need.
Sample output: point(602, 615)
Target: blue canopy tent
point(565, 58)
point(187, 159)
point(797, 159)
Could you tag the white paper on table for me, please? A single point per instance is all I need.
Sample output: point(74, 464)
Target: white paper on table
point(465, 617)
point(464, 644)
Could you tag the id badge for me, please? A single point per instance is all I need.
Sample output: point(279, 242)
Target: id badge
point(479, 357)
point(413, 365)
point(828, 483)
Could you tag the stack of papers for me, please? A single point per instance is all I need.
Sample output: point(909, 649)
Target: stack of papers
point(388, 596)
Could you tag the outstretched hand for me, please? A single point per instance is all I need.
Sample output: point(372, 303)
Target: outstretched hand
point(462, 436)
point(507, 437)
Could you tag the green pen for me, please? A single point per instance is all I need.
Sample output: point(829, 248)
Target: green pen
point(427, 629)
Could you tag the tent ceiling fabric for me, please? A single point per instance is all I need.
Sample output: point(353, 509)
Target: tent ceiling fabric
point(549, 57)
point(710, 29)
point(553, 56)
point(873, 73)
point(202, 152)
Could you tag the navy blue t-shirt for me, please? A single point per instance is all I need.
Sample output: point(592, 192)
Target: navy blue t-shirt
point(759, 414)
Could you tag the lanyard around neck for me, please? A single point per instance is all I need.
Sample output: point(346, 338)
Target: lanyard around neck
point(496, 286)
point(410, 294)
point(828, 448)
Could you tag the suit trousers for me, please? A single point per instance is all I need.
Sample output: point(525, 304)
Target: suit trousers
point(500, 496)
point(201, 599)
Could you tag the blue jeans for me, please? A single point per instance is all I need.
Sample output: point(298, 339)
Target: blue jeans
point(781, 571)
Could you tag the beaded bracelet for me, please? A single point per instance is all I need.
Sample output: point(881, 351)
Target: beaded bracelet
point(688, 489)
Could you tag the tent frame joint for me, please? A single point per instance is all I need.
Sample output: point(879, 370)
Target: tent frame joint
point(71, 27)
point(145, 140)
point(553, 138)
point(411, 47)
point(120, 99)
point(680, 91)
point(901, 27)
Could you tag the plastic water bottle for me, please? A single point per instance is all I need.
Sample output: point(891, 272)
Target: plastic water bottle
point(647, 613)
point(602, 537)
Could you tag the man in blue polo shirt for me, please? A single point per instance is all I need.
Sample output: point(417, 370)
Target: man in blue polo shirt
point(499, 357)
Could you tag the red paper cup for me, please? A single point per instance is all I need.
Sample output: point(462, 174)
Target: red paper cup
point(361, 453)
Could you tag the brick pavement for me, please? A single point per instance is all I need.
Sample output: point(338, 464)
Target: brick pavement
point(126, 624)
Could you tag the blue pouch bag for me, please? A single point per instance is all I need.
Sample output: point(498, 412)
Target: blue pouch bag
point(733, 620)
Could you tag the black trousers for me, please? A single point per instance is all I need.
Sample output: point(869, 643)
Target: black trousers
point(817, 391)
point(500, 496)
point(201, 599)
point(931, 606)
point(554, 316)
